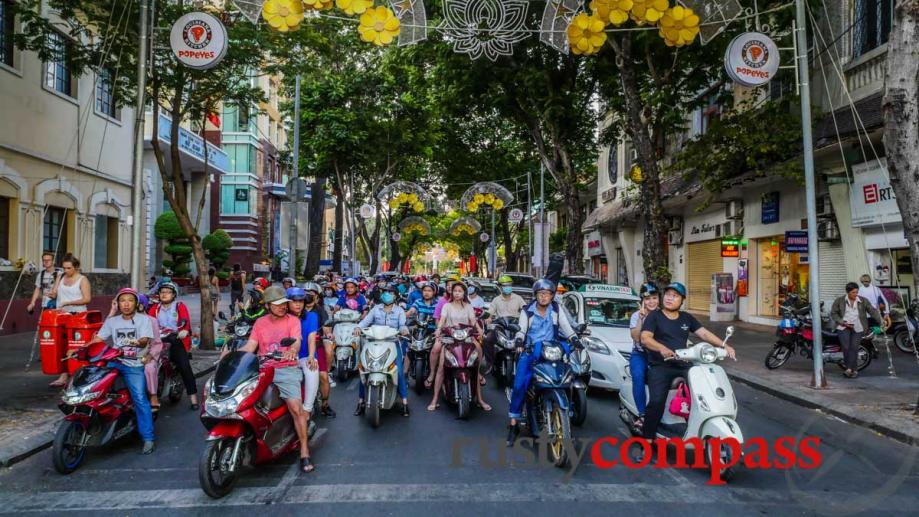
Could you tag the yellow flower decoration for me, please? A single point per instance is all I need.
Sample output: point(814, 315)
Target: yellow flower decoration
point(614, 11)
point(394, 204)
point(319, 5)
point(489, 198)
point(418, 206)
point(498, 204)
point(635, 174)
point(679, 26)
point(283, 15)
point(378, 26)
point(648, 11)
point(585, 34)
point(478, 199)
point(472, 206)
point(352, 7)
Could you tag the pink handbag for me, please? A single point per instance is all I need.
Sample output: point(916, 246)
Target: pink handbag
point(680, 403)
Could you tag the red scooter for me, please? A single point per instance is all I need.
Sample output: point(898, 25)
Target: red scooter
point(169, 384)
point(461, 362)
point(97, 407)
point(247, 421)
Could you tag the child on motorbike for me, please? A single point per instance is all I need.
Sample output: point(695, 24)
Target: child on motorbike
point(172, 316)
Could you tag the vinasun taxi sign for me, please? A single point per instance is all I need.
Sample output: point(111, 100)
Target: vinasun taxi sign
point(198, 40)
point(613, 291)
point(752, 59)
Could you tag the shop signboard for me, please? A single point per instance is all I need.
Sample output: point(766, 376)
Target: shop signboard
point(730, 248)
point(752, 59)
point(872, 198)
point(198, 40)
point(770, 208)
point(594, 245)
point(796, 241)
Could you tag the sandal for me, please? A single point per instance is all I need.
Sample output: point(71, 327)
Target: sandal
point(483, 405)
point(433, 407)
point(428, 383)
point(306, 466)
point(482, 381)
point(154, 408)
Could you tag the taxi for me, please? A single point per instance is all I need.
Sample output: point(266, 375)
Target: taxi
point(606, 310)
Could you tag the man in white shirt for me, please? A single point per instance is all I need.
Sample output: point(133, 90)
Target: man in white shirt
point(44, 282)
point(876, 298)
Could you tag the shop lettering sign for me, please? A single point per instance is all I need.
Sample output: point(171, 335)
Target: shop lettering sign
point(796, 241)
point(871, 196)
point(730, 248)
point(770, 208)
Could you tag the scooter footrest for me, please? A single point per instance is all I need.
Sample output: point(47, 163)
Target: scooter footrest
point(672, 429)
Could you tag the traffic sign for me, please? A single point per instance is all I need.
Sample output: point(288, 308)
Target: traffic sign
point(296, 189)
point(483, 237)
point(396, 237)
point(515, 215)
point(368, 211)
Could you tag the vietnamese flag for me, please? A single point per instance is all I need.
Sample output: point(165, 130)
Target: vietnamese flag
point(213, 118)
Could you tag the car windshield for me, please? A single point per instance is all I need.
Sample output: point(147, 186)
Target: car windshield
point(488, 292)
point(609, 312)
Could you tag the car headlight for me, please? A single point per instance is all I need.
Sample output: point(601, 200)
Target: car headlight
point(552, 353)
point(226, 408)
point(241, 330)
point(707, 353)
point(74, 397)
point(595, 345)
point(472, 357)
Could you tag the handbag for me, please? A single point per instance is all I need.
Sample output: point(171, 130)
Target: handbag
point(680, 404)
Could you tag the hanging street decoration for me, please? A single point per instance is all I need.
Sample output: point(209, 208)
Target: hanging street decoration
point(283, 15)
point(585, 34)
point(414, 225)
point(556, 17)
point(404, 193)
point(396, 237)
point(198, 40)
point(414, 19)
point(379, 26)
point(752, 59)
point(484, 237)
point(465, 225)
point(353, 7)
point(318, 5)
point(486, 193)
point(484, 27)
point(716, 16)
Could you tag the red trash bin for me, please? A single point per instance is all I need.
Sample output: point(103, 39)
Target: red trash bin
point(81, 329)
point(52, 340)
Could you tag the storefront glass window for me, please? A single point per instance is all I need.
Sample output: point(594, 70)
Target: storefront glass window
point(780, 274)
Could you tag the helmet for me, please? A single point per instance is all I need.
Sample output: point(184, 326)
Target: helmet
point(312, 286)
point(431, 285)
point(289, 280)
point(296, 293)
point(647, 289)
point(379, 278)
point(351, 281)
point(128, 290)
point(143, 301)
point(678, 287)
point(505, 279)
point(261, 283)
point(275, 295)
point(389, 288)
point(543, 285)
point(170, 285)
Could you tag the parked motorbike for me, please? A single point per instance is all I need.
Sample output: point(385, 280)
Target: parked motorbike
point(346, 344)
point(712, 410)
point(579, 360)
point(905, 327)
point(461, 359)
point(247, 421)
point(236, 331)
point(547, 404)
point(97, 408)
point(795, 334)
point(500, 334)
point(419, 350)
point(378, 370)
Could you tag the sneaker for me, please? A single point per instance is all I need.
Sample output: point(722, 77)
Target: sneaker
point(513, 431)
point(149, 447)
point(332, 383)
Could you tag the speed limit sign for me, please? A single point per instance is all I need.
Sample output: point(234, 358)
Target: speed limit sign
point(483, 237)
point(515, 215)
point(396, 236)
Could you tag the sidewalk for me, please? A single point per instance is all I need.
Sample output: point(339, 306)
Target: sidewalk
point(29, 415)
point(876, 399)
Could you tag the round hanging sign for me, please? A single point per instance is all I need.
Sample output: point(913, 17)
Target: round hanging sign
point(483, 237)
point(368, 211)
point(396, 237)
point(515, 215)
point(752, 59)
point(198, 40)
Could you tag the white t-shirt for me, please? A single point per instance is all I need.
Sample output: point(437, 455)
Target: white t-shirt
point(122, 330)
point(478, 303)
point(45, 281)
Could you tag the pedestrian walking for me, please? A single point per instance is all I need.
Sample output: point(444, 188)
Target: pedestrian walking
point(215, 288)
point(850, 313)
point(44, 283)
point(237, 285)
point(877, 300)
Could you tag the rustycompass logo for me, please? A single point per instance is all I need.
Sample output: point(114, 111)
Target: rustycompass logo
point(197, 34)
point(755, 54)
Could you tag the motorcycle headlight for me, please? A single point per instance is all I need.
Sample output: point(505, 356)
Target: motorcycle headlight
point(226, 408)
point(708, 354)
point(460, 334)
point(596, 346)
point(472, 357)
point(377, 362)
point(451, 358)
point(241, 330)
point(552, 353)
point(73, 397)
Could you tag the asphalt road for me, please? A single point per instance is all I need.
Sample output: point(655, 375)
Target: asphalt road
point(417, 466)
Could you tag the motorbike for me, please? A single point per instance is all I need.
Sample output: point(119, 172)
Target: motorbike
point(500, 334)
point(236, 331)
point(579, 361)
point(247, 421)
point(712, 410)
point(97, 408)
point(460, 386)
point(795, 334)
point(378, 370)
point(419, 350)
point(548, 407)
point(345, 348)
point(905, 327)
point(169, 384)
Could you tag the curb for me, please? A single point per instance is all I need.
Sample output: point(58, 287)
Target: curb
point(44, 445)
point(807, 402)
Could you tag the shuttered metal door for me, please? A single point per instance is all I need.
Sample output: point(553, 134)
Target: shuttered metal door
point(704, 259)
point(832, 271)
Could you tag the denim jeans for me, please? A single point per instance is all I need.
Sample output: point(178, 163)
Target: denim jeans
point(137, 384)
point(403, 387)
point(638, 365)
point(524, 374)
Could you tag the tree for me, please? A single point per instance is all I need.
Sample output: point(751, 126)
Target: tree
point(217, 246)
point(167, 228)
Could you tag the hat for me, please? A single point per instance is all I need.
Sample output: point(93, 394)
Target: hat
point(275, 295)
point(678, 287)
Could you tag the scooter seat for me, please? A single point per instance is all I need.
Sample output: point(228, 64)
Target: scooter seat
point(676, 382)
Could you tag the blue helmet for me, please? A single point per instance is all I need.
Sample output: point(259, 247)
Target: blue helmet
point(296, 294)
point(647, 289)
point(543, 285)
point(678, 287)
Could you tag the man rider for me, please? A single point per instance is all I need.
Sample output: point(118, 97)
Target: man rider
point(265, 339)
point(256, 306)
point(507, 305)
point(387, 313)
point(351, 293)
point(132, 333)
point(539, 322)
point(415, 293)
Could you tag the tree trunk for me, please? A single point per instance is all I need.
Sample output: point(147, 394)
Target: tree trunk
point(653, 258)
point(339, 228)
point(375, 240)
point(574, 241)
point(395, 251)
point(316, 222)
point(901, 122)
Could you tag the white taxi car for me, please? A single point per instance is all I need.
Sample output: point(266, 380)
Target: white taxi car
point(606, 310)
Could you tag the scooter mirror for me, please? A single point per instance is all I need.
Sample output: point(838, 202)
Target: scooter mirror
point(729, 332)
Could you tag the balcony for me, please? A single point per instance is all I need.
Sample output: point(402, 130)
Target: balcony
point(865, 74)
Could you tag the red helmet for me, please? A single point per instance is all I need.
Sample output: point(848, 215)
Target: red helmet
point(261, 283)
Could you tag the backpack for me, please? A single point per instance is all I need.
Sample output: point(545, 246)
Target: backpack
point(52, 303)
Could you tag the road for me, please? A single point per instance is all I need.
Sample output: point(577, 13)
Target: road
point(407, 467)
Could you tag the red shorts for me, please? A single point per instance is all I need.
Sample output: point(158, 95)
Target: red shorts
point(323, 364)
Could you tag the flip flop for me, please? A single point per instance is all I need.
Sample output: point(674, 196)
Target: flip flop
point(305, 466)
point(483, 406)
point(428, 383)
point(154, 408)
point(482, 381)
point(433, 407)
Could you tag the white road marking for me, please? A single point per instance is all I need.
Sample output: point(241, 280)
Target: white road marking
point(674, 474)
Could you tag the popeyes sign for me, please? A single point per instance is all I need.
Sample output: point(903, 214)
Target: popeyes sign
point(198, 40)
point(752, 59)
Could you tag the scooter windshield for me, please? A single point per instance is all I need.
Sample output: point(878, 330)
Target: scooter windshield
point(234, 369)
point(89, 374)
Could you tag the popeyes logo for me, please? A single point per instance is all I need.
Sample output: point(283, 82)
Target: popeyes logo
point(752, 59)
point(755, 54)
point(198, 40)
point(197, 34)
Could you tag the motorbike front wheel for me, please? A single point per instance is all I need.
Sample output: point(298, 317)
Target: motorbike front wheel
point(579, 406)
point(727, 474)
point(903, 342)
point(560, 426)
point(341, 370)
point(463, 401)
point(420, 375)
point(372, 411)
point(213, 476)
point(777, 357)
point(66, 455)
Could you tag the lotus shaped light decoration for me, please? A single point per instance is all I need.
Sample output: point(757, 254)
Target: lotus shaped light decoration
point(487, 28)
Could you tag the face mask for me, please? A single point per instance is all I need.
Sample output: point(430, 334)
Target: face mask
point(387, 298)
point(507, 290)
point(471, 290)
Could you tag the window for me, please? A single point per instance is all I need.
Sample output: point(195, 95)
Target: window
point(105, 93)
point(57, 71)
point(7, 25)
point(106, 243)
point(612, 163)
point(872, 24)
point(5, 229)
point(243, 119)
point(55, 231)
point(235, 199)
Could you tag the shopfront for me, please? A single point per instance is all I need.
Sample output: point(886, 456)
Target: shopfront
point(597, 265)
point(703, 257)
point(782, 271)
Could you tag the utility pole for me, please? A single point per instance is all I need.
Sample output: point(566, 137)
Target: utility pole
point(295, 203)
point(819, 380)
point(137, 245)
point(529, 225)
point(543, 248)
point(493, 249)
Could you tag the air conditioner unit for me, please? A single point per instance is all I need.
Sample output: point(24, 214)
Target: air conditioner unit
point(827, 230)
point(675, 237)
point(734, 209)
point(732, 229)
point(824, 206)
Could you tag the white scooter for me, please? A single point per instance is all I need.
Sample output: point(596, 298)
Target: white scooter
point(378, 370)
point(713, 407)
point(345, 321)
